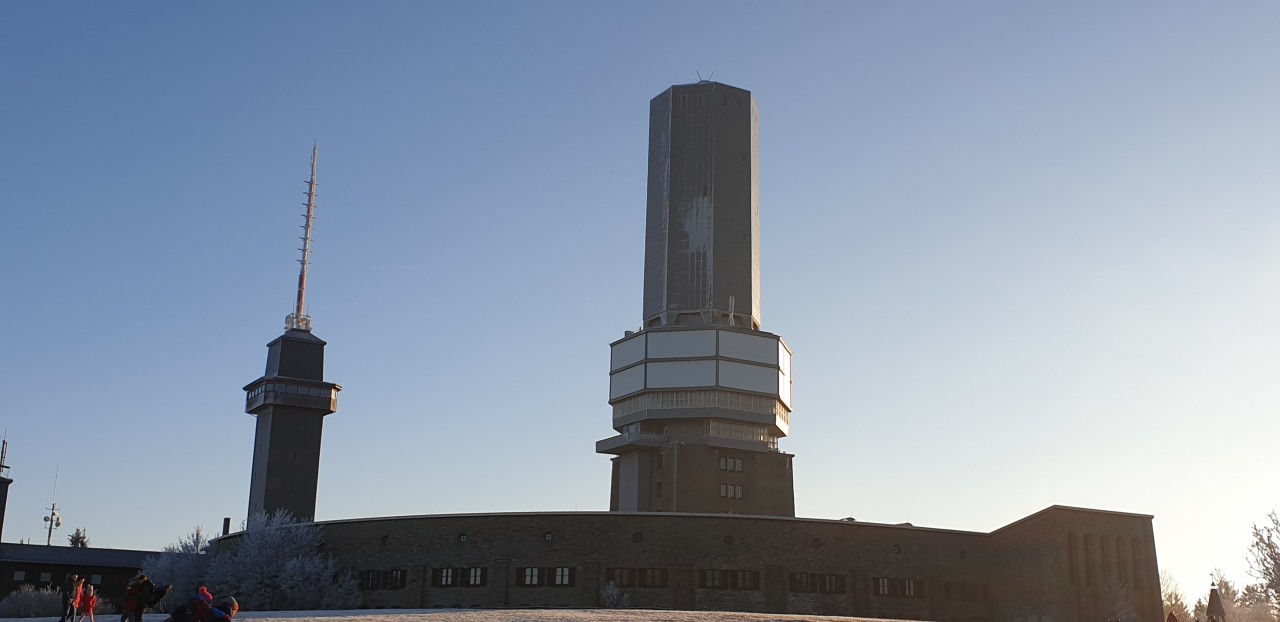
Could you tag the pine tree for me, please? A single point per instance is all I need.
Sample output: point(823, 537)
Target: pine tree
point(79, 538)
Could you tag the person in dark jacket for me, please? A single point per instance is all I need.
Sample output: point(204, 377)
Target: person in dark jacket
point(70, 595)
point(137, 597)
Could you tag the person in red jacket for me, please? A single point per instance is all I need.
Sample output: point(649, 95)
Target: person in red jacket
point(87, 601)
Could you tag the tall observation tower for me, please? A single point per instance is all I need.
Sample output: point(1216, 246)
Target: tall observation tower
point(700, 394)
point(290, 401)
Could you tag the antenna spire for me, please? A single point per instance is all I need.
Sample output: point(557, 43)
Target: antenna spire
point(299, 319)
point(4, 454)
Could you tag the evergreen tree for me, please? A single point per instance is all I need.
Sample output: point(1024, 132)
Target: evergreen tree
point(79, 538)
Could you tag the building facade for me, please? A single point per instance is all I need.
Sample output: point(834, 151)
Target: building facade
point(1062, 564)
point(700, 395)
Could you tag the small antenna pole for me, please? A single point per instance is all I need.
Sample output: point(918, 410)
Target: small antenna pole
point(299, 319)
point(53, 520)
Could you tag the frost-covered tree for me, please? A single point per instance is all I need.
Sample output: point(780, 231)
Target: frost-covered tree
point(1248, 605)
point(1264, 557)
point(276, 564)
point(182, 565)
point(612, 597)
point(1174, 601)
point(29, 602)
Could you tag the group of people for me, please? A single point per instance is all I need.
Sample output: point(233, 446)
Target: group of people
point(79, 598)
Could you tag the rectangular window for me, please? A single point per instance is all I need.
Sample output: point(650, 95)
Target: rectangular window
point(45, 577)
point(802, 582)
point(622, 577)
point(95, 579)
point(444, 577)
point(394, 580)
point(880, 586)
point(528, 577)
point(659, 462)
point(722, 490)
point(738, 491)
point(724, 463)
point(19, 575)
point(711, 579)
point(476, 577)
point(653, 577)
point(831, 584)
point(744, 580)
point(910, 589)
point(564, 576)
point(371, 580)
point(737, 464)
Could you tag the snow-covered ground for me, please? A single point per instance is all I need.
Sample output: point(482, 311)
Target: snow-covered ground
point(503, 615)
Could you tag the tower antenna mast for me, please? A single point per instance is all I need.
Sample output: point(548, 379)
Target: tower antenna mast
point(299, 318)
point(4, 454)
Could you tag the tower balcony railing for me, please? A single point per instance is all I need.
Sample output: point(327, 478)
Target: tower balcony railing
point(702, 398)
point(740, 433)
point(292, 394)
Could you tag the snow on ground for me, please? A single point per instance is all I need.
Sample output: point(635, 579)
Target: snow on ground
point(499, 615)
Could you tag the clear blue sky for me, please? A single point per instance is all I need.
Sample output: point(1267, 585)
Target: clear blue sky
point(1025, 253)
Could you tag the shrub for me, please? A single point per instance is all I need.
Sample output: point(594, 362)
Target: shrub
point(29, 602)
point(611, 597)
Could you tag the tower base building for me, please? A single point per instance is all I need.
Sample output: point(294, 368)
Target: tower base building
point(699, 410)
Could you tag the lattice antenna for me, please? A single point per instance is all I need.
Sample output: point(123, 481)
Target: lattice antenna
point(4, 454)
point(299, 318)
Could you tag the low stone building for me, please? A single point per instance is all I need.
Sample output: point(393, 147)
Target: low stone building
point(108, 570)
point(1062, 564)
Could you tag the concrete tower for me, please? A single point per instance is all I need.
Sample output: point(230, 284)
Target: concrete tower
point(290, 401)
point(4, 482)
point(700, 394)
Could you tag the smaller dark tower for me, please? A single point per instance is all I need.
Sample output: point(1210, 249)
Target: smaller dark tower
point(4, 482)
point(290, 401)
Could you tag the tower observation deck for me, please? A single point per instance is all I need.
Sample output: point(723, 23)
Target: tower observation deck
point(700, 394)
